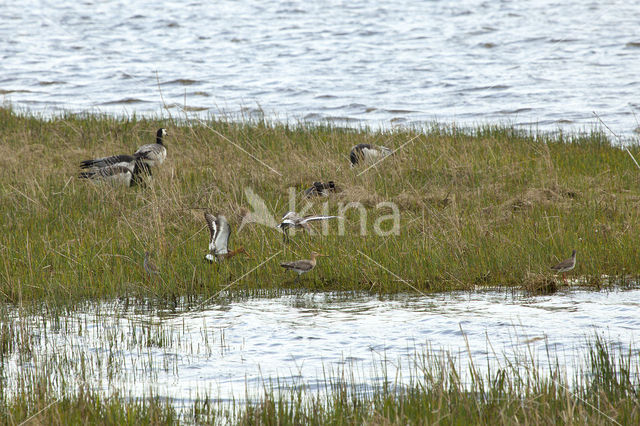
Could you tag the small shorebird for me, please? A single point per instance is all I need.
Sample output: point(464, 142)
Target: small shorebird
point(149, 266)
point(147, 156)
point(566, 265)
point(302, 266)
point(367, 153)
point(219, 231)
point(293, 220)
point(116, 175)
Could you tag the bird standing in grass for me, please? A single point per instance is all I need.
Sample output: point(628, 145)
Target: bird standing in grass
point(149, 266)
point(302, 266)
point(565, 266)
point(293, 220)
point(219, 231)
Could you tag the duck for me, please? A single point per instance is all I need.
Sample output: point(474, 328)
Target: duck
point(367, 153)
point(117, 175)
point(302, 266)
point(219, 231)
point(293, 220)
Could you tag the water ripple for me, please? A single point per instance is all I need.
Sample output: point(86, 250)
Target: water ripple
point(465, 61)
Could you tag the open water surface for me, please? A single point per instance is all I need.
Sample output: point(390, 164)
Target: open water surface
point(230, 351)
point(542, 65)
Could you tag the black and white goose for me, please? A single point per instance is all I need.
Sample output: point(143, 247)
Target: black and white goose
point(293, 220)
point(367, 153)
point(219, 231)
point(153, 154)
point(147, 156)
point(114, 174)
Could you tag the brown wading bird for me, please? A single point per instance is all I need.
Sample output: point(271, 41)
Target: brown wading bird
point(293, 220)
point(149, 266)
point(566, 265)
point(219, 231)
point(302, 266)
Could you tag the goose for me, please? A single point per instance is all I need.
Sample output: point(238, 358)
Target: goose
point(219, 231)
point(153, 154)
point(566, 265)
point(115, 174)
point(293, 220)
point(367, 153)
point(302, 266)
point(147, 156)
point(149, 266)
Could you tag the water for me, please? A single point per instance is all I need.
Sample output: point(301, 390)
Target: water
point(541, 65)
point(226, 350)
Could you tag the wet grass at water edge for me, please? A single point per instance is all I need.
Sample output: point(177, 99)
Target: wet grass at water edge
point(604, 390)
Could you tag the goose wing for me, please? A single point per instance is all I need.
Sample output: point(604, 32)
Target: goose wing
point(106, 172)
point(221, 240)
point(152, 152)
point(114, 160)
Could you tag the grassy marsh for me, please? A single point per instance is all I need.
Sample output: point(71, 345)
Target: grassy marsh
point(487, 206)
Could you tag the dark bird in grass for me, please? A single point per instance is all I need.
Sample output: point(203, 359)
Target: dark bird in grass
point(150, 267)
point(302, 266)
point(367, 153)
point(320, 189)
point(566, 265)
point(140, 163)
point(219, 231)
point(293, 220)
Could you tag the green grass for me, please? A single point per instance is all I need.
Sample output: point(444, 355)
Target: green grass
point(487, 206)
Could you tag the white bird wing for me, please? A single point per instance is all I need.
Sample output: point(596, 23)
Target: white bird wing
point(290, 218)
point(221, 241)
point(213, 228)
point(312, 218)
